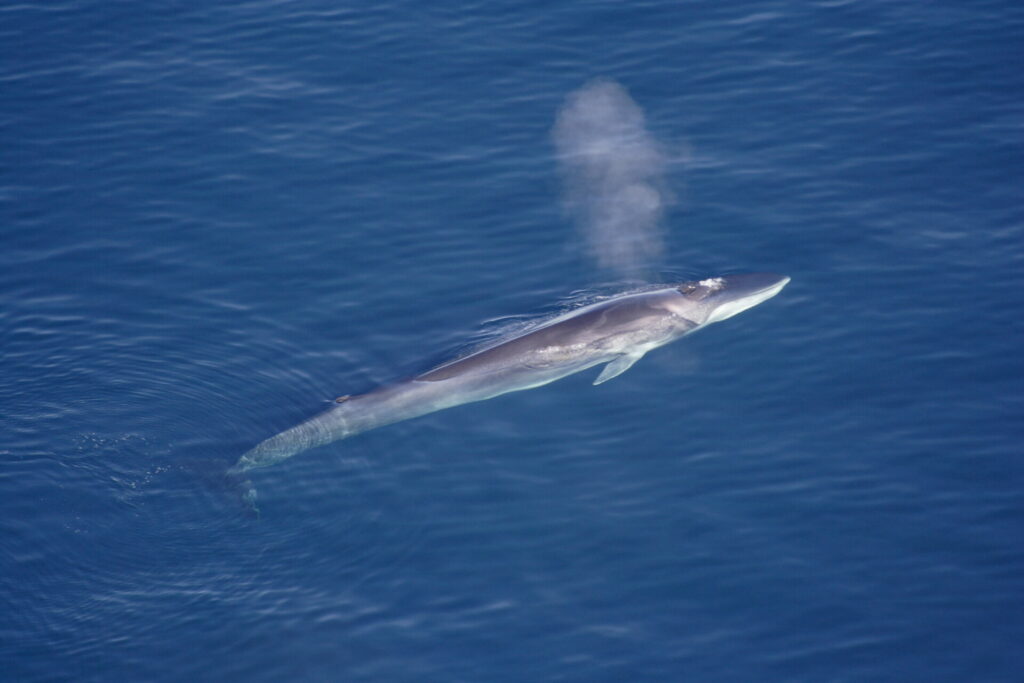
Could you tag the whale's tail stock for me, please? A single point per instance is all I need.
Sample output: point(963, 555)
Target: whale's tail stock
point(223, 483)
point(238, 482)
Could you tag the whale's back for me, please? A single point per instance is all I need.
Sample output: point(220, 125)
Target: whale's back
point(565, 337)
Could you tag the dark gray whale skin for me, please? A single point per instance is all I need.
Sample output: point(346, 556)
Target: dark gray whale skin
point(616, 332)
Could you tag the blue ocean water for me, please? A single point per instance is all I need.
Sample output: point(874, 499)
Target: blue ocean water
point(217, 219)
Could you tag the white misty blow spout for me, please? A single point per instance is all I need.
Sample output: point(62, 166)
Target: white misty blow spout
point(614, 177)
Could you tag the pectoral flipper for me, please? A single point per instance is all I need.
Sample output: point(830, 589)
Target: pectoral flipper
point(617, 367)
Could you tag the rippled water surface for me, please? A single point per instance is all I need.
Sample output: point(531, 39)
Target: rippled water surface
point(217, 219)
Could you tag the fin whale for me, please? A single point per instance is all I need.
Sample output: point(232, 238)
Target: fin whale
point(616, 332)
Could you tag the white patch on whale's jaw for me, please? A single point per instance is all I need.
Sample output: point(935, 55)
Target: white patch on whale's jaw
point(731, 308)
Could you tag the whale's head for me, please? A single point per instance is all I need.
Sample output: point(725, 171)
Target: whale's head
point(717, 298)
